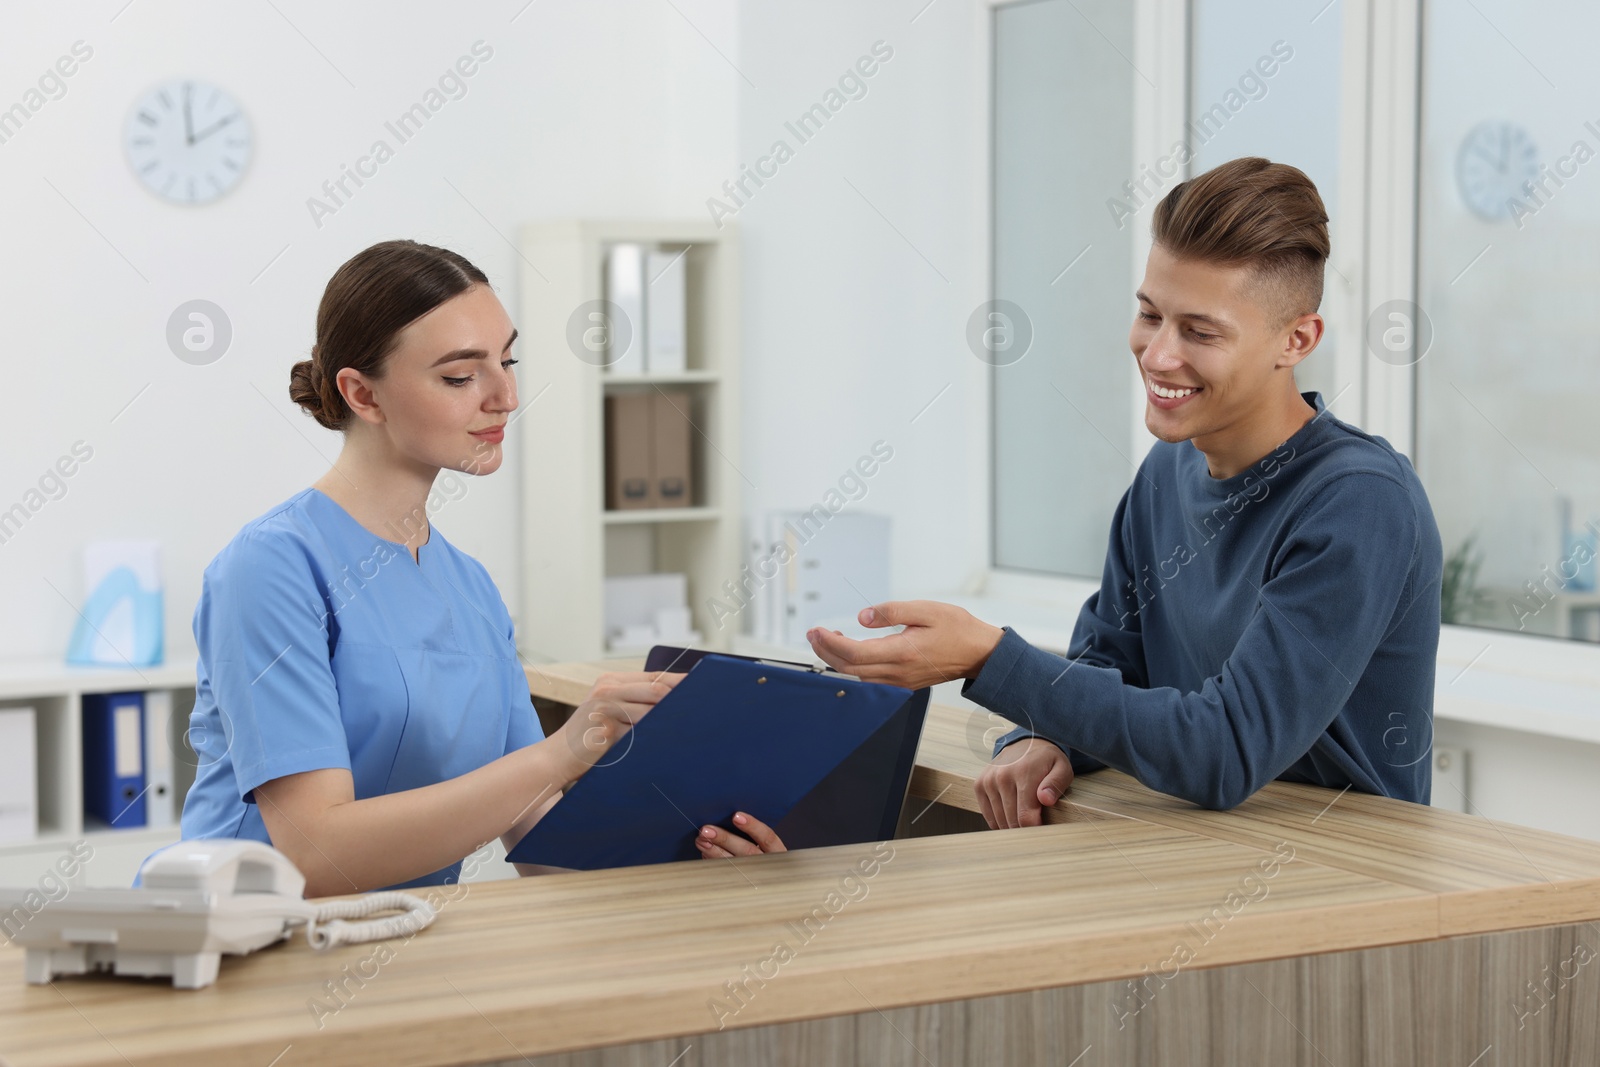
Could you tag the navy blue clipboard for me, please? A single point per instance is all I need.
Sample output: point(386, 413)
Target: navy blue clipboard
point(820, 757)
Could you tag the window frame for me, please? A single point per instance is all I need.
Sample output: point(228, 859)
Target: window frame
point(1375, 259)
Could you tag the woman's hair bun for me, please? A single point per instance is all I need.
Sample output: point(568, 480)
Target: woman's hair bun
point(305, 389)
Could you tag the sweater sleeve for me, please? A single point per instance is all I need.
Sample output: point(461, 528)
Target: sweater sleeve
point(1336, 586)
point(1105, 635)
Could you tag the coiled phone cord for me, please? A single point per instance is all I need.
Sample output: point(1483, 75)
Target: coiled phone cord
point(416, 914)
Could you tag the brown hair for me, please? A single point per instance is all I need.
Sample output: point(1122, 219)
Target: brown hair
point(376, 294)
point(1256, 213)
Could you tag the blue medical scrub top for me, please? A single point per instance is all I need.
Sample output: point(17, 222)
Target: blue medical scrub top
point(323, 645)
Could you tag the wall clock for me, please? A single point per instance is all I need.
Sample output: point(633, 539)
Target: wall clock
point(188, 142)
point(1496, 160)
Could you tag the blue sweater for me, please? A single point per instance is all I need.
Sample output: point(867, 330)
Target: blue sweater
point(1279, 624)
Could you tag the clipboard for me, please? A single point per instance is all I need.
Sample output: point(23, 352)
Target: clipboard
point(821, 757)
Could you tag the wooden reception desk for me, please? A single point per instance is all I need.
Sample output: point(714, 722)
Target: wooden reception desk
point(1307, 926)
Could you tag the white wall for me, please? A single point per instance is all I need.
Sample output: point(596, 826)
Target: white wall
point(856, 299)
point(1524, 778)
point(617, 109)
point(621, 108)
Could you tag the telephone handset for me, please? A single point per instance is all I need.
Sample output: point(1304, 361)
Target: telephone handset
point(196, 900)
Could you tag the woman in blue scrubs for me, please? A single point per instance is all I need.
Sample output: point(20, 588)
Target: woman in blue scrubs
point(360, 704)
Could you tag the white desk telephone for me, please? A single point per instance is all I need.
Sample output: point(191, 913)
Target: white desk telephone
point(197, 900)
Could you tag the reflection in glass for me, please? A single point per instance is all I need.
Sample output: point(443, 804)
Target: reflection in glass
point(1508, 267)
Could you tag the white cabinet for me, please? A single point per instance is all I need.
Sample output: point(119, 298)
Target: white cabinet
point(106, 857)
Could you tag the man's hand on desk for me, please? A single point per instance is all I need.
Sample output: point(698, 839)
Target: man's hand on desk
point(1024, 778)
point(940, 642)
point(715, 843)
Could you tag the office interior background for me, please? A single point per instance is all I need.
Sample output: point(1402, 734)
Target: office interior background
point(939, 265)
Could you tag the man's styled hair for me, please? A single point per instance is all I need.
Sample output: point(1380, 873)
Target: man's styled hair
point(1254, 213)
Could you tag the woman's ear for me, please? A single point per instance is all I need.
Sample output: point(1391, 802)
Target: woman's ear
point(359, 396)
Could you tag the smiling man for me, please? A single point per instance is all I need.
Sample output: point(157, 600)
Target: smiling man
point(1269, 607)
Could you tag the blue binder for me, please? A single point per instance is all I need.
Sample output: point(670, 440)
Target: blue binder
point(113, 758)
point(822, 758)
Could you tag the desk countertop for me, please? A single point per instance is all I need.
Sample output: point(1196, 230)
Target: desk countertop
point(1113, 884)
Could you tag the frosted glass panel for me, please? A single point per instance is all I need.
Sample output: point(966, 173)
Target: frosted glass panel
point(1508, 268)
point(1063, 128)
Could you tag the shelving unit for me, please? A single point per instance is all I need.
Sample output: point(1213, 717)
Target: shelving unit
point(654, 515)
point(571, 543)
point(688, 377)
point(56, 692)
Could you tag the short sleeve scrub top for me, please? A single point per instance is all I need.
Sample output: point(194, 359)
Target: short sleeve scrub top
point(323, 645)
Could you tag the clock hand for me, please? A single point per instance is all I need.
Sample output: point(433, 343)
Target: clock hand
point(1483, 154)
point(213, 128)
point(188, 120)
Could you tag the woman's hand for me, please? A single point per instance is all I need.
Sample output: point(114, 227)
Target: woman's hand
point(634, 687)
point(616, 702)
point(716, 843)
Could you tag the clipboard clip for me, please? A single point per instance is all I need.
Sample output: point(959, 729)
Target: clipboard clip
point(666, 657)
